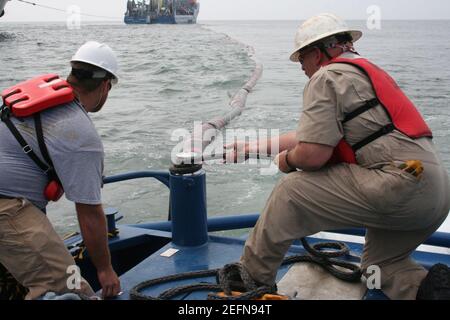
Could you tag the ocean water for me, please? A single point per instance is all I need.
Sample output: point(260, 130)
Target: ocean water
point(172, 76)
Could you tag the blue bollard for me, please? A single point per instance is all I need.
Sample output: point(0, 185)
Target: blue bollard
point(111, 219)
point(188, 209)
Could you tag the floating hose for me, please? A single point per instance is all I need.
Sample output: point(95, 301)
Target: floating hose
point(197, 142)
point(234, 277)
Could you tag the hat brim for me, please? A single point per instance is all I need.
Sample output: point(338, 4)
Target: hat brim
point(356, 35)
point(114, 81)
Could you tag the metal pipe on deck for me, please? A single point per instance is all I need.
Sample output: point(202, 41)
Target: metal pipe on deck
point(438, 239)
point(213, 224)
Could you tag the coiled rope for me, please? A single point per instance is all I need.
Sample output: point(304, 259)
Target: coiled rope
point(234, 277)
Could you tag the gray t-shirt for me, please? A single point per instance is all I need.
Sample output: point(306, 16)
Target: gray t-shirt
point(74, 147)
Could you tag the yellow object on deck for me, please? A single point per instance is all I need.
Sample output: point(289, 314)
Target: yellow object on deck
point(264, 297)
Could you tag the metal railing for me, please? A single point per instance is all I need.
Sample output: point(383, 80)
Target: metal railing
point(236, 222)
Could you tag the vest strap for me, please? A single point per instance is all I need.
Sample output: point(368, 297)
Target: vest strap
point(366, 107)
point(46, 168)
point(43, 147)
point(382, 132)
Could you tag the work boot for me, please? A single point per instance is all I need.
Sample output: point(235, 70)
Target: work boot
point(436, 285)
point(234, 277)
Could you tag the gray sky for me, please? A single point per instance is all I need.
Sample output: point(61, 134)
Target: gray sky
point(243, 9)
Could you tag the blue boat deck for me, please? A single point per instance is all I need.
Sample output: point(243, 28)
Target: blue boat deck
point(136, 251)
point(215, 254)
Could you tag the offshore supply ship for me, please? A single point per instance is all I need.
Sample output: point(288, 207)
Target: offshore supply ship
point(162, 12)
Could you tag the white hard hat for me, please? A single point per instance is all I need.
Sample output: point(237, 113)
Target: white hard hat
point(320, 27)
point(99, 55)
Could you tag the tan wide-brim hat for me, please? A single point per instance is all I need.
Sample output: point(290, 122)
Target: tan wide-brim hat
point(321, 27)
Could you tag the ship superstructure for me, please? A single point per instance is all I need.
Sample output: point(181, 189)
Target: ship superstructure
point(162, 11)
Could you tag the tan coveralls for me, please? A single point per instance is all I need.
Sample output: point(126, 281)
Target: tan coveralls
point(398, 210)
point(32, 251)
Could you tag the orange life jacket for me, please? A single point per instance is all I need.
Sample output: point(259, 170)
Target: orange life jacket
point(27, 99)
point(404, 115)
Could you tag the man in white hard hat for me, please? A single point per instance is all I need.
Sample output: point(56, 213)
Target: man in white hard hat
point(29, 246)
point(345, 166)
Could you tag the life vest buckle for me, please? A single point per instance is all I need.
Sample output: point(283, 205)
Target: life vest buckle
point(27, 149)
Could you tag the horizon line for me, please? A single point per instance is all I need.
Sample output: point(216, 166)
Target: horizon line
point(225, 20)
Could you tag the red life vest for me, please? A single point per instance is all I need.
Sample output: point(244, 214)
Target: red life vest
point(36, 95)
point(27, 99)
point(404, 115)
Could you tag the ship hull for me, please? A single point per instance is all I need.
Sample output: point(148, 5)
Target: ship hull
point(161, 20)
point(137, 20)
point(186, 19)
